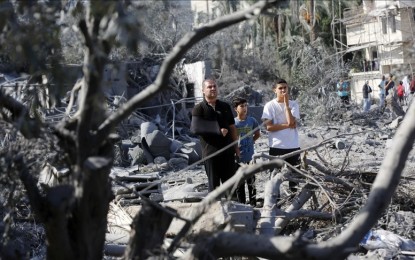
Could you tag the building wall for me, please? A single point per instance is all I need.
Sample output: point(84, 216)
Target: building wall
point(358, 80)
point(406, 3)
point(391, 54)
point(407, 24)
point(395, 50)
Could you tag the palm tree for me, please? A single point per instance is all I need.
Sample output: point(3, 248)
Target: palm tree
point(312, 12)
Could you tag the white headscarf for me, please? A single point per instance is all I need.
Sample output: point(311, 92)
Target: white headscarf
point(406, 86)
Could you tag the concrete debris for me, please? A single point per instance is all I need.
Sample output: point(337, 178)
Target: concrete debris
point(235, 216)
point(155, 147)
point(177, 164)
point(136, 155)
point(160, 160)
point(50, 176)
point(159, 144)
point(395, 123)
point(129, 185)
point(186, 192)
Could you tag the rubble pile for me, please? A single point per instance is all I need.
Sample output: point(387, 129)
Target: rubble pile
point(129, 185)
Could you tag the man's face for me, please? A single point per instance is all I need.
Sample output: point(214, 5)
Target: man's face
point(281, 89)
point(210, 89)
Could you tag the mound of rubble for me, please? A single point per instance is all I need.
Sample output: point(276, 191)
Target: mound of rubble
point(351, 150)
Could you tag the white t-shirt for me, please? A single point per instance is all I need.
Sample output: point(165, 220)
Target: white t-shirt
point(286, 138)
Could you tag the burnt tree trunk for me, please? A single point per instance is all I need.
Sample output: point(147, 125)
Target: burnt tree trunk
point(83, 223)
point(147, 232)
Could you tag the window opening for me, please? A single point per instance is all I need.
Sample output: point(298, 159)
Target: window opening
point(384, 28)
point(393, 23)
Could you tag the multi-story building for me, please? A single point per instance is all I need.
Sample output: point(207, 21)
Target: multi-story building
point(381, 37)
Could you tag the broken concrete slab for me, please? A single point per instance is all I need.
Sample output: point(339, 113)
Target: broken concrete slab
point(238, 216)
point(186, 192)
point(143, 177)
point(136, 155)
point(158, 144)
point(147, 128)
point(395, 123)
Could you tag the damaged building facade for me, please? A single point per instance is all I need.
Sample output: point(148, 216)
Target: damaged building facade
point(381, 37)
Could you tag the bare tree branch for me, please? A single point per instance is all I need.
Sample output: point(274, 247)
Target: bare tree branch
point(29, 127)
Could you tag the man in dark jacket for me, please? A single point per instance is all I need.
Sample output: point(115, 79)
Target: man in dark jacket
point(366, 98)
point(213, 121)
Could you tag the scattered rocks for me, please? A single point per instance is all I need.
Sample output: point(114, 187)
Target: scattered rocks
point(360, 142)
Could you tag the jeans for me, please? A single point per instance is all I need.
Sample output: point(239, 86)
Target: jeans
point(366, 104)
point(381, 101)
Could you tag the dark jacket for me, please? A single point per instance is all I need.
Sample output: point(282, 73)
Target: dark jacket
point(223, 115)
point(388, 86)
point(366, 90)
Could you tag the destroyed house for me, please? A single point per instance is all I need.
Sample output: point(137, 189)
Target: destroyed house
point(380, 37)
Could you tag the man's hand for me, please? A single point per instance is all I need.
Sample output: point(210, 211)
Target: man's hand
point(286, 98)
point(293, 124)
point(224, 131)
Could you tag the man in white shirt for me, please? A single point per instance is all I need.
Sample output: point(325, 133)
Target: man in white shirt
point(281, 116)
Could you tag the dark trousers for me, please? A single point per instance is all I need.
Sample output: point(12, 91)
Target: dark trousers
point(240, 192)
point(220, 168)
point(293, 160)
point(345, 99)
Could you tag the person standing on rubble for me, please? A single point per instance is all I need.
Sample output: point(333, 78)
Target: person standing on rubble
point(213, 121)
point(366, 96)
point(407, 89)
point(281, 116)
point(382, 93)
point(389, 85)
point(248, 133)
point(400, 92)
point(343, 91)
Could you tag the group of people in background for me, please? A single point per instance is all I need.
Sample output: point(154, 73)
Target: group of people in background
point(404, 91)
point(226, 139)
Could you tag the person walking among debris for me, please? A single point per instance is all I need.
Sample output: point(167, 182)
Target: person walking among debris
point(343, 91)
point(281, 116)
point(382, 93)
point(407, 89)
point(213, 121)
point(248, 133)
point(411, 89)
point(400, 92)
point(389, 85)
point(366, 96)
point(412, 85)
